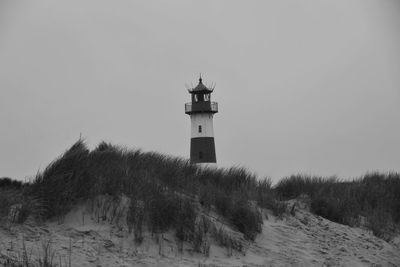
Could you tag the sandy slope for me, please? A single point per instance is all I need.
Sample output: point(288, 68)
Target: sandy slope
point(300, 240)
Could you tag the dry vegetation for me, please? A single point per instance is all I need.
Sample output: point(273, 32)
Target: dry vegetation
point(165, 193)
point(372, 201)
point(168, 193)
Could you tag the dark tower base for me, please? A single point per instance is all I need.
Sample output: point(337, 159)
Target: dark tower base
point(202, 150)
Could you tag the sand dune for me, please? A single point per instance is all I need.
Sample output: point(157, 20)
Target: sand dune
point(300, 240)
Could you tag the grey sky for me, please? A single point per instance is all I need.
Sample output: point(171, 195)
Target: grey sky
point(303, 86)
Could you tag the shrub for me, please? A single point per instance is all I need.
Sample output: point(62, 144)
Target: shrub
point(207, 196)
point(162, 209)
point(278, 208)
point(247, 219)
point(327, 208)
point(8, 198)
point(186, 221)
point(380, 222)
point(296, 185)
point(136, 218)
point(225, 239)
point(6, 182)
point(223, 203)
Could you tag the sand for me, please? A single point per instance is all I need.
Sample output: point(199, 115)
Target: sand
point(300, 240)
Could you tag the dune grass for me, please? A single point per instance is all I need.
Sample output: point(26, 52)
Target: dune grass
point(169, 188)
point(168, 192)
point(372, 200)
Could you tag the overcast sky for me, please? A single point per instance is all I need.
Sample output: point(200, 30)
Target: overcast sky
point(303, 86)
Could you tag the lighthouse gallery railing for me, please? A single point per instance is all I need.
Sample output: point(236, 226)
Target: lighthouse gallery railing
point(201, 107)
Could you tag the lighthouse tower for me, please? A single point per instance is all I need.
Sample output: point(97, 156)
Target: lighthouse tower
point(201, 111)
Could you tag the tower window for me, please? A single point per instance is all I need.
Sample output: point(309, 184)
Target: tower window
point(200, 129)
point(200, 154)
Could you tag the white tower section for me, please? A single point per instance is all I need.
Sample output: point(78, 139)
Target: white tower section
point(202, 125)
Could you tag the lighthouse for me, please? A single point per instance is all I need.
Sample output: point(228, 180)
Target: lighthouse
point(201, 111)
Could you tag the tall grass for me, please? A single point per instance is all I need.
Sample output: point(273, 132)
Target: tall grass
point(375, 197)
point(167, 192)
point(168, 188)
point(8, 198)
point(42, 256)
point(6, 182)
